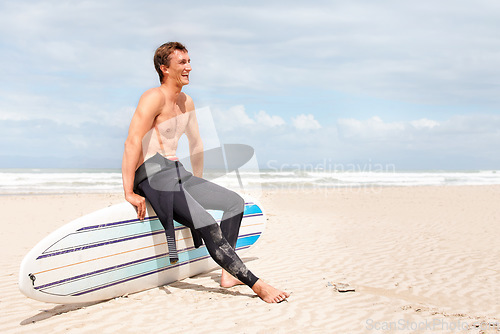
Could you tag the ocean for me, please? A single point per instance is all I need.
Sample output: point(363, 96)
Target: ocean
point(54, 181)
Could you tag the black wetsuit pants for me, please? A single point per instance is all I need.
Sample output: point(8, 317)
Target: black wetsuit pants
point(191, 198)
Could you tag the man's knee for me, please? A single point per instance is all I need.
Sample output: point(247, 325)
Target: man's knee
point(238, 203)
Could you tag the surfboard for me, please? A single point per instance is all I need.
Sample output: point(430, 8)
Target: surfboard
point(110, 253)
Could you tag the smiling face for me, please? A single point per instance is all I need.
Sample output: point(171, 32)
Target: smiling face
point(179, 68)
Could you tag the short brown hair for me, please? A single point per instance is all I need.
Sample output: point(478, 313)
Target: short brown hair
point(162, 55)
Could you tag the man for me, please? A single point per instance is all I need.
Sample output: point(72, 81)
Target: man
point(151, 169)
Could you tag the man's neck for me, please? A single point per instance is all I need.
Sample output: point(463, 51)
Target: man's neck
point(171, 90)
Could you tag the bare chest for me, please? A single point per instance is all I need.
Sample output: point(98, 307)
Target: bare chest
point(172, 127)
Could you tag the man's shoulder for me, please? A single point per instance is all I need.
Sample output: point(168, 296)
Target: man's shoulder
point(151, 102)
point(153, 93)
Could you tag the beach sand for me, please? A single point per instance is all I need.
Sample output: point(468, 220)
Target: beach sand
point(420, 258)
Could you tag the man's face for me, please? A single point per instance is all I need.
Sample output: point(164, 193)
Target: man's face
point(180, 66)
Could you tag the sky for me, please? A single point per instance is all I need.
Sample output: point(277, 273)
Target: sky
point(410, 84)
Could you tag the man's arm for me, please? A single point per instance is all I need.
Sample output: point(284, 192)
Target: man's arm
point(142, 121)
point(194, 139)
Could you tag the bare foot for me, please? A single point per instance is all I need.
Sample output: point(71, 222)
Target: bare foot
point(269, 294)
point(228, 281)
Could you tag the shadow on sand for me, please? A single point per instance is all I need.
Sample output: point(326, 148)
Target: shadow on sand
point(215, 276)
point(57, 310)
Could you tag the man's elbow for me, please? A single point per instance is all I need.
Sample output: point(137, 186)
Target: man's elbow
point(196, 146)
point(131, 143)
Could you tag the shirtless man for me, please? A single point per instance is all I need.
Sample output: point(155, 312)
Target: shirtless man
point(163, 114)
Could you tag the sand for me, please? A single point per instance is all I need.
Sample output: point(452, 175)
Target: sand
point(421, 259)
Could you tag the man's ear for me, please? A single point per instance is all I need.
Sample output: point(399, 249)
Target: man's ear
point(164, 69)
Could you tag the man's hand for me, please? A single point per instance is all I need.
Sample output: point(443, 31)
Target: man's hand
point(139, 204)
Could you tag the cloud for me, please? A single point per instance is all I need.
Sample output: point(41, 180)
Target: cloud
point(424, 123)
point(236, 117)
point(371, 129)
point(240, 116)
point(46, 143)
point(232, 118)
point(305, 122)
point(25, 106)
point(421, 52)
point(86, 63)
point(266, 120)
point(468, 134)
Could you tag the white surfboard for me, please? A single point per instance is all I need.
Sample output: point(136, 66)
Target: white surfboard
point(110, 253)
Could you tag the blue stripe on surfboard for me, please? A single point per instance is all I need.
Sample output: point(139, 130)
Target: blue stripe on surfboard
point(249, 206)
point(252, 209)
point(116, 240)
point(128, 279)
point(146, 266)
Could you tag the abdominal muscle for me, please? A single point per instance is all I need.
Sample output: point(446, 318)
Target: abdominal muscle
point(164, 137)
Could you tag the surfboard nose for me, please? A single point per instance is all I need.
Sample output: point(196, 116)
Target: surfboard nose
point(26, 280)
